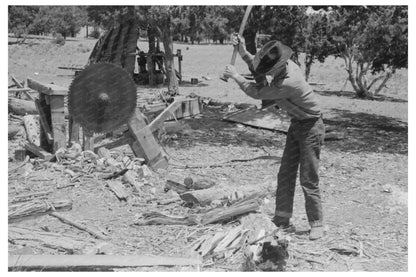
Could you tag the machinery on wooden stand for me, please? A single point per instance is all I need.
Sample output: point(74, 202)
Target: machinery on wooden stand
point(102, 98)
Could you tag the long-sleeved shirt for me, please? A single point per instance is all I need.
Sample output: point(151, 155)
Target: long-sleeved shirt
point(288, 89)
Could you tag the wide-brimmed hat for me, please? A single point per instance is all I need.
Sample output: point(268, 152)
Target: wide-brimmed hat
point(264, 65)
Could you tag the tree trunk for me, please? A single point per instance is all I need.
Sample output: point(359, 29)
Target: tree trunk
point(308, 65)
point(383, 84)
point(173, 88)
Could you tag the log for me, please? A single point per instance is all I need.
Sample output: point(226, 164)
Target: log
point(31, 127)
point(35, 238)
point(33, 209)
point(22, 107)
point(205, 197)
point(80, 226)
point(118, 189)
point(226, 214)
point(93, 262)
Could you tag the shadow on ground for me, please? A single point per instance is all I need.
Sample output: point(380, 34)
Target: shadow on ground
point(352, 95)
point(368, 133)
point(363, 133)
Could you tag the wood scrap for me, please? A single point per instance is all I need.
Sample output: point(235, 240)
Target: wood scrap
point(115, 174)
point(156, 218)
point(130, 178)
point(210, 244)
point(35, 238)
point(37, 151)
point(80, 226)
point(22, 211)
point(198, 183)
point(12, 131)
point(30, 196)
point(228, 239)
point(175, 186)
point(92, 262)
point(44, 122)
point(21, 107)
point(118, 189)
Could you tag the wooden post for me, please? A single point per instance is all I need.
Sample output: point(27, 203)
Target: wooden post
point(145, 144)
point(51, 100)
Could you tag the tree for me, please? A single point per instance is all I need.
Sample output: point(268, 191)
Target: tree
point(317, 40)
point(21, 19)
point(372, 40)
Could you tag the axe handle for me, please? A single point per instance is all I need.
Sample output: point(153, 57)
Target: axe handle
point(240, 32)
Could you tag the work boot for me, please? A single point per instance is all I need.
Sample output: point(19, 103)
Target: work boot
point(283, 223)
point(316, 232)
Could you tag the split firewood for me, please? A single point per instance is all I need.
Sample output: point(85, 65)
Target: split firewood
point(32, 209)
point(335, 136)
point(196, 184)
point(210, 244)
point(93, 262)
point(115, 174)
point(22, 107)
point(31, 127)
point(35, 238)
point(228, 239)
point(80, 226)
point(156, 218)
point(118, 189)
point(175, 186)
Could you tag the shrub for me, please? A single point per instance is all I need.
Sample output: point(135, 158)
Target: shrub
point(59, 39)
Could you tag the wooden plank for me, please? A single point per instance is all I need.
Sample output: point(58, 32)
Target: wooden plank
point(118, 55)
point(58, 121)
point(93, 262)
point(38, 151)
point(48, 89)
point(146, 142)
point(14, 90)
point(73, 128)
point(46, 111)
point(270, 119)
point(167, 113)
point(44, 122)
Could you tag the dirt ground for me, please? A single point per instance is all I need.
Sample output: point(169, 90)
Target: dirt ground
point(364, 178)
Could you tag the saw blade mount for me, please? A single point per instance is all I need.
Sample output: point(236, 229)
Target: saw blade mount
point(102, 97)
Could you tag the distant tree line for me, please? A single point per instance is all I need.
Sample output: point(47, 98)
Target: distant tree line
point(370, 39)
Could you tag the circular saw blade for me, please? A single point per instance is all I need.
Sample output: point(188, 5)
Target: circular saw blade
point(102, 97)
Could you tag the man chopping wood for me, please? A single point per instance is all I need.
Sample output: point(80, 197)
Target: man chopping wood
point(290, 91)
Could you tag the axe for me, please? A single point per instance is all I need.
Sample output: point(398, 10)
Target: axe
point(240, 33)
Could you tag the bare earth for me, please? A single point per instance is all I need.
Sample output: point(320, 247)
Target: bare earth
point(363, 178)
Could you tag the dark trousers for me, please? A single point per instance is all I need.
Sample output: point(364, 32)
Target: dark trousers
point(302, 150)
